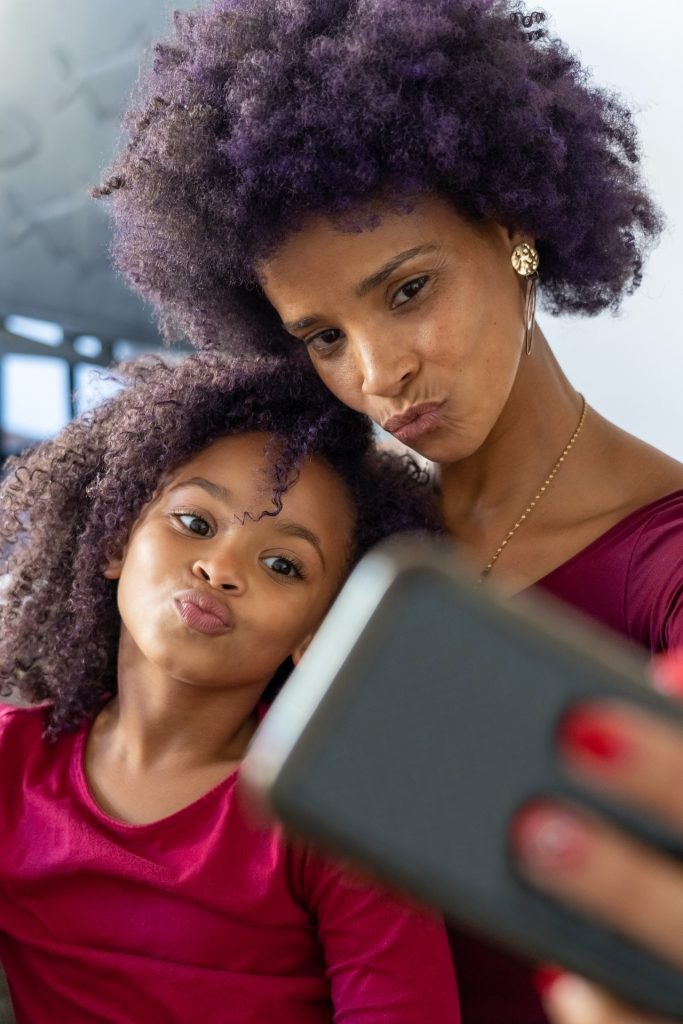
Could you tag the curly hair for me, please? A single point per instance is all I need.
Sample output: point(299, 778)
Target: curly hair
point(68, 506)
point(257, 114)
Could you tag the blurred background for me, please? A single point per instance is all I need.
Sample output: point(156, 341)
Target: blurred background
point(68, 68)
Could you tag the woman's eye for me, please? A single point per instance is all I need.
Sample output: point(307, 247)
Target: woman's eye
point(409, 291)
point(195, 524)
point(282, 566)
point(324, 341)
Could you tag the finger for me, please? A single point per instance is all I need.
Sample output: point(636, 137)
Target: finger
point(632, 754)
point(666, 673)
point(571, 1000)
point(586, 862)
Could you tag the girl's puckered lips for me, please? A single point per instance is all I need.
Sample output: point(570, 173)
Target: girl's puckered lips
point(203, 613)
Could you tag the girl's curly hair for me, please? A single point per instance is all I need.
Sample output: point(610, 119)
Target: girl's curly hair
point(68, 505)
point(259, 113)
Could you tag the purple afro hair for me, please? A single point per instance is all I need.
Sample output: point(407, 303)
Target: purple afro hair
point(69, 505)
point(259, 113)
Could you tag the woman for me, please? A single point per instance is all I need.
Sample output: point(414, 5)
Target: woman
point(386, 184)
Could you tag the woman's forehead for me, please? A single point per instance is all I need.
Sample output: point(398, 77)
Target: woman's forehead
point(347, 257)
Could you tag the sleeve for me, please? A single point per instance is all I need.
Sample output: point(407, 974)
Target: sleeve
point(654, 591)
point(386, 959)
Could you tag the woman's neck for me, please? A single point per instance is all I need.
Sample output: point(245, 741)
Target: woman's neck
point(540, 415)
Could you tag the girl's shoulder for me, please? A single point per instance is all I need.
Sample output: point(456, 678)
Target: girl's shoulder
point(21, 713)
point(21, 723)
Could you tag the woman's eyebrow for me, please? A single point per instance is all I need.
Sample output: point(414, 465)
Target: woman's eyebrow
point(215, 490)
point(291, 529)
point(368, 283)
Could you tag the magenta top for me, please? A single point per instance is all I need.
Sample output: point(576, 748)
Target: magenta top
point(204, 915)
point(630, 579)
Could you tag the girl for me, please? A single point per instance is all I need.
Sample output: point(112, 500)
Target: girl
point(167, 558)
point(385, 184)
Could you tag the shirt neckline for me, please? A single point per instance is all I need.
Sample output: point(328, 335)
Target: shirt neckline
point(603, 538)
point(143, 828)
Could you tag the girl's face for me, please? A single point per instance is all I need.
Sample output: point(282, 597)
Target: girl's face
point(421, 314)
point(210, 600)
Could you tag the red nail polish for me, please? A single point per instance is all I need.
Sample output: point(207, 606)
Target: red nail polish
point(545, 977)
point(597, 736)
point(667, 674)
point(548, 839)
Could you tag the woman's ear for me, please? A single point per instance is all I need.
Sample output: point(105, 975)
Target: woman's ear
point(519, 237)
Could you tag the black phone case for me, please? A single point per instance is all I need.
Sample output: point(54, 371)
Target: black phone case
point(421, 716)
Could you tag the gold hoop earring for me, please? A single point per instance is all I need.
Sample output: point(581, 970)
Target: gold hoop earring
point(525, 260)
point(530, 315)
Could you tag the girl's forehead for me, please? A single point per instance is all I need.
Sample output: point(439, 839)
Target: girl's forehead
point(235, 461)
point(238, 472)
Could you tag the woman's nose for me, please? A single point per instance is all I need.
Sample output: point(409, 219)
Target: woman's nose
point(385, 368)
point(221, 571)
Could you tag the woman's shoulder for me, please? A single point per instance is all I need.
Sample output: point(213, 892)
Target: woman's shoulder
point(654, 590)
point(630, 577)
point(656, 531)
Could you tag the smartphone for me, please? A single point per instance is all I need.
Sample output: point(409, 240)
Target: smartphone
point(421, 717)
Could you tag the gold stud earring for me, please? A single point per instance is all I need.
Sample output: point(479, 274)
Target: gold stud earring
point(525, 261)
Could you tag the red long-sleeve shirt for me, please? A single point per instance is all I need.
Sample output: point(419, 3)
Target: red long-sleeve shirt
point(201, 916)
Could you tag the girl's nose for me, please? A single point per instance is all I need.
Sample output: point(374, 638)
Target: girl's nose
point(221, 571)
point(385, 368)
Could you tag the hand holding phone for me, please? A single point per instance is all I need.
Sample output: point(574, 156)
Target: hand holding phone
point(423, 715)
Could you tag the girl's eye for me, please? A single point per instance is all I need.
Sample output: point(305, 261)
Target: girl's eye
point(283, 566)
point(195, 524)
point(324, 341)
point(409, 291)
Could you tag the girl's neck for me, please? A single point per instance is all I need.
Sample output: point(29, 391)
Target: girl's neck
point(156, 720)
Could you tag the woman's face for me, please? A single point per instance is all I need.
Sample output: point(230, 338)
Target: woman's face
point(420, 318)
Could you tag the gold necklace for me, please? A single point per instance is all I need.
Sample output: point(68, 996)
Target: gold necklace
point(539, 494)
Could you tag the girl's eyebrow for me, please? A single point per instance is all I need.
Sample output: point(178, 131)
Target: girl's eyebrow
point(215, 490)
point(286, 526)
point(368, 283)
point(291, 529)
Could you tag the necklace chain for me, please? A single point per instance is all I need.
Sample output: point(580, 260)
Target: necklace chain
point(539, 494)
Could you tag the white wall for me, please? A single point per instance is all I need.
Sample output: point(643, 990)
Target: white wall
point(630, 367)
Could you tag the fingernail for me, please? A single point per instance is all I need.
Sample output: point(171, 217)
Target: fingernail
point(597, 736)
point(545, 978)
point(547, 838)
point(667, 674)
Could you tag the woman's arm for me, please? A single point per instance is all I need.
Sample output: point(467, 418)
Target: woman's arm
point(386, 959)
